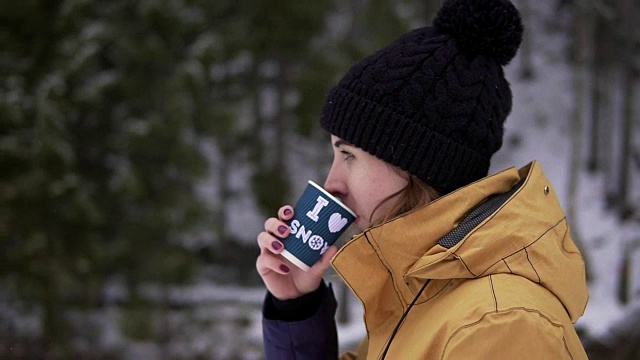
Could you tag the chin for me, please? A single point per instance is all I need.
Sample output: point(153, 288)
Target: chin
point(358, 224)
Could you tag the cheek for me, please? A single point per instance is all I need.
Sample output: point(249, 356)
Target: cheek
point(378, 190)
point(367, 197)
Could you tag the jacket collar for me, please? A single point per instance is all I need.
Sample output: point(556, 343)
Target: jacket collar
point(386, 265)
point(376, 262)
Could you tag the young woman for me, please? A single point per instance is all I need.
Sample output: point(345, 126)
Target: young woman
point(451, 263)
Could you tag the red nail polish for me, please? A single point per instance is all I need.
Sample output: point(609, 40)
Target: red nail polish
point(284, 268)
point(282, 229)
point(287, 212)
point(276, 245)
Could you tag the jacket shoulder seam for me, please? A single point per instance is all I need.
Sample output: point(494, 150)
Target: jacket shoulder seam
point(563, 220)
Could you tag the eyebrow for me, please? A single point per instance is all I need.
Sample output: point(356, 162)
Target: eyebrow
point(341, 142)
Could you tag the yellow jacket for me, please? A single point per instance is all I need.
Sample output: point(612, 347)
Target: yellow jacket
point(509, 288)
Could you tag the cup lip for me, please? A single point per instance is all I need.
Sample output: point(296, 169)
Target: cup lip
point(332, 198)
point(294, 260)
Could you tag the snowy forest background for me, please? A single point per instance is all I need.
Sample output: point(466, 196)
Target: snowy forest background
point(145, 142)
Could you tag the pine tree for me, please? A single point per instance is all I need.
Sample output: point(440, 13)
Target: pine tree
point(101, 152)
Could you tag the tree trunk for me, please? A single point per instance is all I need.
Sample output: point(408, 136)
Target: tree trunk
point(526, 62)
point(624, 178)
point(583, 60)
point(627, 11)
point(597, 98)
point(223, 189)
point(281, 116)
point(344, 310)
point(610, 133)
point(593, 148)
point(601, 95)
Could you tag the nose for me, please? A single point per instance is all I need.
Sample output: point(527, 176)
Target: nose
point(333, 183)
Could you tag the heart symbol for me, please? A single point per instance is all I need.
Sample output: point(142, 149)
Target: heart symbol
point(336, 222)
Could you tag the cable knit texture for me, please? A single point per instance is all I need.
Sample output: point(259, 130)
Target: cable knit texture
point(435, 100)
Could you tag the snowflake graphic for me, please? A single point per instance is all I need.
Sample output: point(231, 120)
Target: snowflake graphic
point(316, 242)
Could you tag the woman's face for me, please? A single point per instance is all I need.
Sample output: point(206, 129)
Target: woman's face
point(362, 181)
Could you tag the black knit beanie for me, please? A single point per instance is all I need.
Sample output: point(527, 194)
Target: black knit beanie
point(434, 101)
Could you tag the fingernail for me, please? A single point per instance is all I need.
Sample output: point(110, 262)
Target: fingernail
point(287, 212)
point(282, 229)
point(284, 268)
point(276, 245)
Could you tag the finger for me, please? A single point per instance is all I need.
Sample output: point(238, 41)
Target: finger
point(276, 227)
point(285, 213)
point(270, 242)
point(268, 262)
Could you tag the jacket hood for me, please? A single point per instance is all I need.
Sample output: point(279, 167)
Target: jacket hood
point(510, 222)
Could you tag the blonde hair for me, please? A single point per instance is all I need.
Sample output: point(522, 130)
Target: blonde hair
point(413, 196)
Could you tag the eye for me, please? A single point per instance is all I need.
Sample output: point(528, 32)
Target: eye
point(347, 155)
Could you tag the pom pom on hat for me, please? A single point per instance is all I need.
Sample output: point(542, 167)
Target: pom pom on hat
point(434, 101)
point(482, 27)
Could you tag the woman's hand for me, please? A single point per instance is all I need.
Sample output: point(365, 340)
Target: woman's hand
point(283, 279)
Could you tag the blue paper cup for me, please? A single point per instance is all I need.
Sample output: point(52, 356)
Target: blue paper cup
point(319, 220)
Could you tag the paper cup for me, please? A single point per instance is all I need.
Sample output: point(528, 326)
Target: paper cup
point(319, 220)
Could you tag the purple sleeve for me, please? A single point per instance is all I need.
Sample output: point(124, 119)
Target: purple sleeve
point(313, 338)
